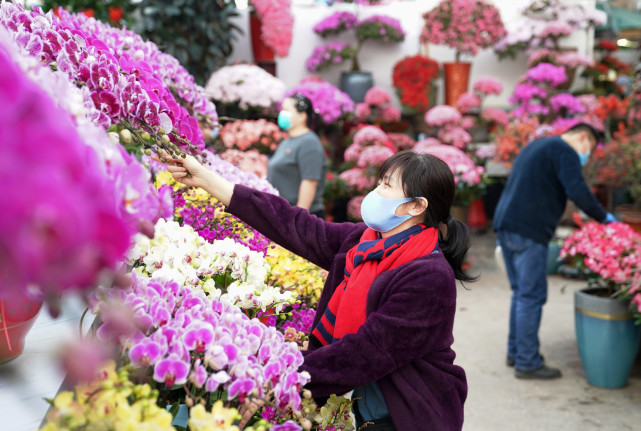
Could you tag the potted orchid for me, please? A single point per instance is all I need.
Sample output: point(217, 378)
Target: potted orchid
point(607, 336)
point(378, 28)
point(467, 26)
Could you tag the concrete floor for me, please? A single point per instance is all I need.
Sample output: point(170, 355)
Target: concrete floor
point(498, 401)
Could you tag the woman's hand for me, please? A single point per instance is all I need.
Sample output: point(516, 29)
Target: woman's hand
point(188, 171)
point(191, 173)
point(249, 409)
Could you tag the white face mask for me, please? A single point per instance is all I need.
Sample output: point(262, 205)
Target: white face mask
point(379, 213)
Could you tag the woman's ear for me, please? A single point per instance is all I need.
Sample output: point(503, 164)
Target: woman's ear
point(418, 206)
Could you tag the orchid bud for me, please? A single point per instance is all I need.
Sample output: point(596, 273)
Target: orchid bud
point(125, 135)
point(161, 131)
point(189, 401)
point(148, 152)
point(145, 136)
point(306, 424)
point(165, 139)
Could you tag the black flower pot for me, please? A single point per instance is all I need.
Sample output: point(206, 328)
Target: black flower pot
point(356, 84)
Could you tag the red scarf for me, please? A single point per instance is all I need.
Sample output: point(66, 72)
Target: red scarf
point(347, 308)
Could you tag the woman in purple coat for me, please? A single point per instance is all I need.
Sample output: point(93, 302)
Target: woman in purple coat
point(383, 327)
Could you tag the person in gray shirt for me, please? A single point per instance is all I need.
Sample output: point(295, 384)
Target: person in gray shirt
point(298, 167)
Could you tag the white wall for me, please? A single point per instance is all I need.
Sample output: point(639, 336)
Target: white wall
point(380, 59)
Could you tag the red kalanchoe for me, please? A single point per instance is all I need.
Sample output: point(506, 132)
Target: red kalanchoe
point(412, 78)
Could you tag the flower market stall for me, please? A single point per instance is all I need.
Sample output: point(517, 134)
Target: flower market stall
point(186, 315)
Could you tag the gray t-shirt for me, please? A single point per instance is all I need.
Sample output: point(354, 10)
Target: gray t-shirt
point(297, 159)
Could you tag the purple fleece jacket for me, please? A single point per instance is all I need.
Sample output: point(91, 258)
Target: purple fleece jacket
point(405, 343)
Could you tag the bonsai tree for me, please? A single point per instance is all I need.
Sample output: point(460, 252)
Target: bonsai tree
point(379, 28)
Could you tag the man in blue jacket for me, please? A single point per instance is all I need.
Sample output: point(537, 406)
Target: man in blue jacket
point(546, 173)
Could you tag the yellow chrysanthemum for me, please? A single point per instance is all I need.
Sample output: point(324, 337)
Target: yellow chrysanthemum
point(292, 272)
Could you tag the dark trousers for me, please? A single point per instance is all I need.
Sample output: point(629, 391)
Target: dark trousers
point(383, 424)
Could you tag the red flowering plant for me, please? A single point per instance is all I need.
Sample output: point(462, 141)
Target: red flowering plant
point(413, 77)
point(618, 164)
point(610, 256)
point(513, 136)
point(111, 11)
point(465, 25)
point(606, 69)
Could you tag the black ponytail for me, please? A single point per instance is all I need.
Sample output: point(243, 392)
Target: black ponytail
point(430, 177)
point(455, 244)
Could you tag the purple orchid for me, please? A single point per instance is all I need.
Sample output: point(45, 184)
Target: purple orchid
point(171, 371)
point(197, 336)
point(146, 352)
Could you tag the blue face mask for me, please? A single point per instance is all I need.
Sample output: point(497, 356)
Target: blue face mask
point(379, 213)
point(284, 120)
point(583, 158)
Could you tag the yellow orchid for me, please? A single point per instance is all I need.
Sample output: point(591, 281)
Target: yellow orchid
point(219, 419)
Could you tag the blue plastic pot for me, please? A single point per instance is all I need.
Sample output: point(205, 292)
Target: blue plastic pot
point(607, 338)
point(553, 262)
point(182, 417)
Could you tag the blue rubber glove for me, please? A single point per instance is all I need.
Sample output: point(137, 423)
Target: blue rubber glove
point(609, 218)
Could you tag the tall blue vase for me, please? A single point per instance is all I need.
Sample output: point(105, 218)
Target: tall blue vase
point(607, 337)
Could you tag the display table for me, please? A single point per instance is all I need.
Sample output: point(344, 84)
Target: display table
point(36, 374)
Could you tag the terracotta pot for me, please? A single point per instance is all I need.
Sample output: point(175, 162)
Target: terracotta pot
point(633, 219)
point(17, 316)
point(262, 52)
point(457, 77)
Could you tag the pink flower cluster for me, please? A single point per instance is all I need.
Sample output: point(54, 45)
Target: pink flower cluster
point(328, 101)
point(261, 135)
point(354, 208)
point(568, 103)
point(459, 163)
point(442, 115)
point(277, 24)
point(401, 141)
point(611, 251)
point(377, 96)
point(487, 86)
point(451, 125)
point(377, 108)
point(358, 180)
point(380, 27)
point(190, 339)
point(249, 161)
point(546, 73)
point(122, 86)
point(246, 84)
point(336, 23)
point(328, 55)
point(468, 103)
point(59, 224)
point(465, 25)
point(495, 116)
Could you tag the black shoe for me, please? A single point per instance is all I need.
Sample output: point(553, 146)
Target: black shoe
point(543, 373)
